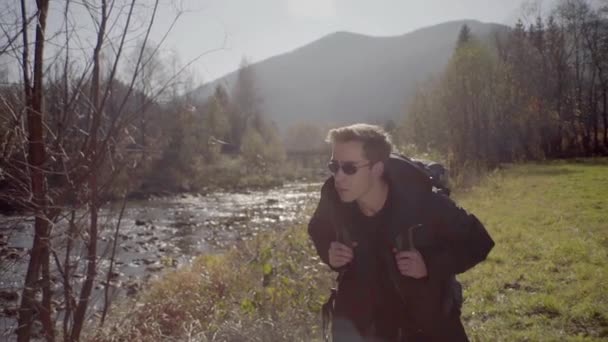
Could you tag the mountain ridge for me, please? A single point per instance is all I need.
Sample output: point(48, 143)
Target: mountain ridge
point(347, 77)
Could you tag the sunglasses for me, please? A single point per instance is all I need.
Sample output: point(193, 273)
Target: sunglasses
point(349, 168)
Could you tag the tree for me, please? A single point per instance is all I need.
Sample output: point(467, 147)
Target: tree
point(464, 36)
point(39, 254)
point(595, 34)
point(304, 136)
point(150, 84)
point(181, 159)
point(245, 104)
point(216, 116)
point(572, 15)
point(73, 147)
point(247, 119)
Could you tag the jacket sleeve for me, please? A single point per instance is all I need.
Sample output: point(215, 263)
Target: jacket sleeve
point(320, 228)
point(459, 240)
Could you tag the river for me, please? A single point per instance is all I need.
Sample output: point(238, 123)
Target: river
point(154, 235)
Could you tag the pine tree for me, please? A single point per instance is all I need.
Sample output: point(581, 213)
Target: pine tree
point(464, 36)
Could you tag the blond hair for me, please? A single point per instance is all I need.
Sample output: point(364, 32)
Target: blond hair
point(376, 141)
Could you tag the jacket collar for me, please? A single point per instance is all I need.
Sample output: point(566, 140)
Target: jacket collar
point(406, 180)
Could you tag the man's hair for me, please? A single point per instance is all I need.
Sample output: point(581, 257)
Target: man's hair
point(377, 144)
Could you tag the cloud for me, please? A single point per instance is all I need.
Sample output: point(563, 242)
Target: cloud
point(311, 8)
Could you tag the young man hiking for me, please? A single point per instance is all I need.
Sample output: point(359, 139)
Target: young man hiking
point(395, 244)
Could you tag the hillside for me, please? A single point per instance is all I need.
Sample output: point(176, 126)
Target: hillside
point(347, 77)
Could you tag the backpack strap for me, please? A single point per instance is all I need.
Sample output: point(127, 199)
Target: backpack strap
point(328, 309)
point(410, 236)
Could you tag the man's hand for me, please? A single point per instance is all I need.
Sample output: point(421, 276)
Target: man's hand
point(411, 264)
point(340, 254)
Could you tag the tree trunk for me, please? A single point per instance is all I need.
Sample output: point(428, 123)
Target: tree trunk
point(69, 301)
point(92, 160)
point(605, 116)
point(106, 305)
point(594, 114)
point(36, 158)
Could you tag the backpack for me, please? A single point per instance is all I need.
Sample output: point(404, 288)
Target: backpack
point(436, 172)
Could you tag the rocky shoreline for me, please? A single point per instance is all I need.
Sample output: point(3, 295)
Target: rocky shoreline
point(158, 234)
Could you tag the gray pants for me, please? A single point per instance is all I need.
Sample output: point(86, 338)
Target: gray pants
point(344, 330)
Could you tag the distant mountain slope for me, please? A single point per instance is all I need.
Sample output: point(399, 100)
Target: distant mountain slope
point(346, 77)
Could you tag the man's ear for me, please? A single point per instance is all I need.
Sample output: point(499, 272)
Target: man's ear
point(378, 169)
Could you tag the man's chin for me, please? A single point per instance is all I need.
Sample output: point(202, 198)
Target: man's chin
point(345, 197)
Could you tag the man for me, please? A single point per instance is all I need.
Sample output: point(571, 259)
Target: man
point(395, 244)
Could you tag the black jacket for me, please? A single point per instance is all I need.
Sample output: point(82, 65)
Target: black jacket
point(450, 240)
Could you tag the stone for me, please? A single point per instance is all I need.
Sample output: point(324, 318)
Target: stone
point(9, 295)
point(11, 311)
point(155, 268)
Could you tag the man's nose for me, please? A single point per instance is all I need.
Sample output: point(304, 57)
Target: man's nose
point(339, 175)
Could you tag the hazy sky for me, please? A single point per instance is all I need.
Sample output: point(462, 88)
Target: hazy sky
point(259, 29)
point(225, 31)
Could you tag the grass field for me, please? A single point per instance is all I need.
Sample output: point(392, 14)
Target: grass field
point(546, 279)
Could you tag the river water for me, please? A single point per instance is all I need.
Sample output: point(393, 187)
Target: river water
point(154, 235)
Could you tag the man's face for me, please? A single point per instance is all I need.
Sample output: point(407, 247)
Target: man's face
point(352, 187)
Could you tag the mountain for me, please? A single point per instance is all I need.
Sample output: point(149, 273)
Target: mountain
point(346, 77)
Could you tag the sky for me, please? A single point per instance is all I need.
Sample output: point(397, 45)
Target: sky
point(215, 35)
point(225, 31)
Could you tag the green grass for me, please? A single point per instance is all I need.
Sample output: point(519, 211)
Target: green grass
point(546, 279)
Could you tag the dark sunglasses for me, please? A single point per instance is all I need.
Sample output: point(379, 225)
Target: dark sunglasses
point(349, 168)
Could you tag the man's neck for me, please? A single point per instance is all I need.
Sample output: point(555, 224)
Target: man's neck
point(373, 201)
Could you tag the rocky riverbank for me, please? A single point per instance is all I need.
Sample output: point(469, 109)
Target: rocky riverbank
point(155, 234)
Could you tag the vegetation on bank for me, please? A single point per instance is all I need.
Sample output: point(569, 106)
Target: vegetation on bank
point(545, 280)
point(267, 289)
point(227, 174)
